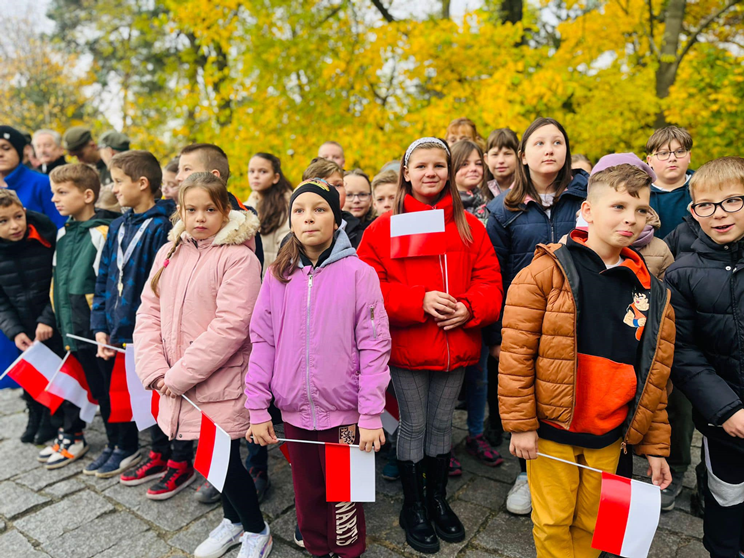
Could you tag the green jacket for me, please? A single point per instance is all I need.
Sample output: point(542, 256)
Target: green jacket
point(79, 247)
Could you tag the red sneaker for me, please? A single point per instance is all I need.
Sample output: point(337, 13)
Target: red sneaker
point(152, 468)
point(178, 476)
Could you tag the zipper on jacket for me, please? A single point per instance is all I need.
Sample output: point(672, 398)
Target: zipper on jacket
point(307, 350)
point(372, 319)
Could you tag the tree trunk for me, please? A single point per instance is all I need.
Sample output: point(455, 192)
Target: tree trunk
point(511, 11)
point(666, 73)
point(445, 9)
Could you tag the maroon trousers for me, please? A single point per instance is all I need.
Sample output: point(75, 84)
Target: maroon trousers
point(326, 527)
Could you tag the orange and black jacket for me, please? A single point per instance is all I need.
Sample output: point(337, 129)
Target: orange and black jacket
point(587, 351)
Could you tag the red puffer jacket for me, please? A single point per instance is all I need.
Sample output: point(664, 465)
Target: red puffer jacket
point(474, 279)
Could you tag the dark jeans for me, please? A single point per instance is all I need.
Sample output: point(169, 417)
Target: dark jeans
point(679, 410)
point(258, 458)
point(68, 419)
point(123, 435)
point(176, 450)
point(724, 526)
point(239, 499)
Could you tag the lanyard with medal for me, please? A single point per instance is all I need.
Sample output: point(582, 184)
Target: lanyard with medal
point(123, 257)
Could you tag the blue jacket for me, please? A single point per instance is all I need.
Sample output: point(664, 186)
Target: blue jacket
point(35, 193)
point(671, 207)
point(516, 234)
point(111, 313)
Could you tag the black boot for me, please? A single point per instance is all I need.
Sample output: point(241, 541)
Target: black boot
point(413, 517)
point(46, 431)
point(446, 523)
point(32, 426)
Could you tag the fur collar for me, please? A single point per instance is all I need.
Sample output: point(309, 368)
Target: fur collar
point(242, 227)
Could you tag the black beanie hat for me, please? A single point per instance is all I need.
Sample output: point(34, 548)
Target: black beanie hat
point(324, 190)
point(15, 138)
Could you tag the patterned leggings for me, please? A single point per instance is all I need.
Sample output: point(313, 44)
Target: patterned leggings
point(426, 399)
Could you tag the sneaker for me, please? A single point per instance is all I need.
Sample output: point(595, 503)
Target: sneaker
point(207, 494)
point(176, 478)
point(225, 536)
point(262, 482)
point(519, 499)
point(670, 493)
point(256, 545)
point(48, 451)
point(390, 471)
point(298, 537)
point(455, 467)
point(70, 450)
point(98, 462)
point(120, 461)
point(152, 468)
point(478, 447)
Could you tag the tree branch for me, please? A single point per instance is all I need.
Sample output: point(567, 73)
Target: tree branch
point(703, 25)
point(387, 16)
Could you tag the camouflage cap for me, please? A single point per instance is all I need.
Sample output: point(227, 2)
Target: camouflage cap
point(115, 140)
point(76, 138)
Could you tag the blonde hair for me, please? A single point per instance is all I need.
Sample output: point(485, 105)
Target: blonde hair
point(625, 177)
point(458, 123)
point(321, 168)
point(217, 191)
point(81, 176)
point(718, 173)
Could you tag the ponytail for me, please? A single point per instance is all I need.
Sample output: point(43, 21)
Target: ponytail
point(287, 260)
point(156, 278)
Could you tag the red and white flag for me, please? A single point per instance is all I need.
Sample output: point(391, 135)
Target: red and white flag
point(628, 516)
point(212, 453)
point(70, 384)
point(391, 414)
point(130, 401)
point(419, 233)
point(33, 370)
point(350, 474)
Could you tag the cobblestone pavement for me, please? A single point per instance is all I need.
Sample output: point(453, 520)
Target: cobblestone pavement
point(63, 513)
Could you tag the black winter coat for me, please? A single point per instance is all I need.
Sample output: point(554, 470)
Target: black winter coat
point(25, 277)
point(681, 239)
point(707, 287)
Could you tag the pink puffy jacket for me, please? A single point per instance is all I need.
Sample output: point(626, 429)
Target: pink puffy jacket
point(196, 334)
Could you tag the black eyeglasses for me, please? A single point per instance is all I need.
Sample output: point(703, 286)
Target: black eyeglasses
point(664, 155)
point(729, 205)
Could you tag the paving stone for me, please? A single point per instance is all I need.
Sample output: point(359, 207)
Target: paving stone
point(41, 477)
point(476, 553)
point(283, 550)
point(694, 549)
point(486, 492)
point(145, 545)
point(53, 521)
point(2, 525)
point(506, 472)
point(94, 537)
point(11, 426)
point(682, 523)
point(188, 539)
point(280, 497)
point(65, 488)
point(284, 527)
point(95, 483)
point(11, 402)
point(15, 499)
point(508, 535)
point(15, 545)
point(17, 458)
point(170, 515)
point(665, 545)
point(377, 551)
point(381, 517)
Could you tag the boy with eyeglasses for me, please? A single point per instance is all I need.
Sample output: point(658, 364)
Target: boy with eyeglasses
point(708, 297)
point(668, 153)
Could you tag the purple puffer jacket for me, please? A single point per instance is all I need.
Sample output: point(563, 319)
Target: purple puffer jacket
point(321, 345)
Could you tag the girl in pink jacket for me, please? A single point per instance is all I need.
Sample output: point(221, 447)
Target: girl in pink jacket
point(191, 339)
point(321, 344)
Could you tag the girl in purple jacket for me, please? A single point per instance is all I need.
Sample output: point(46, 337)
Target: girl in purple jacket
point(321, 344)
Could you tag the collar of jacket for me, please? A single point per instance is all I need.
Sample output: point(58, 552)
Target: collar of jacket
point(15, 178)
point(38, 227)
point(659, 300)
point(340, 249)
point(708, 248)
point(632, 259)
point(240, 228)
point(162, 208)
point(411, 204)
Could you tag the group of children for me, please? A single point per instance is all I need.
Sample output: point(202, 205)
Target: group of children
point(556, 299)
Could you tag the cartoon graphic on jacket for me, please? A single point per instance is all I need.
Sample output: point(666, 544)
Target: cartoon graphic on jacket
point(117, 298)
point(636, 314)
point(321, 344)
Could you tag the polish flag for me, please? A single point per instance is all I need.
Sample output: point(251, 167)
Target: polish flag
point(628, 516)
point(70, 384)
point(420, 233)
point(130, 401)
point(33, 370)
point(391, 414)
point(212, 453)
point(350, 474)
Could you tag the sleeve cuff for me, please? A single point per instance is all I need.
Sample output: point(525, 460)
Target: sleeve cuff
point(728, 414)
point(259, 415)
point(370, 422)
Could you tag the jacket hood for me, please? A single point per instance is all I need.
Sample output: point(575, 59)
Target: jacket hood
point(101, 217)
point(38, 226)
point(164, 208)
point(342, 248)
point(241, 227)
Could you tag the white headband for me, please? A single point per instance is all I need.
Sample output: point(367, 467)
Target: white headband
point(420, 141)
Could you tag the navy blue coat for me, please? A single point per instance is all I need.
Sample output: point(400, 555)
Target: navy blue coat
point(516, 234)
point(35, 192)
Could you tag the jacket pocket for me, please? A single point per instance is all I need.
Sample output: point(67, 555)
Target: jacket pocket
point(225, 384)
point(372, 320)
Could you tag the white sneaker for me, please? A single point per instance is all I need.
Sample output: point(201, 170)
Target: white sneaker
point(220, 540)
point(256, 545)
point(519, 499)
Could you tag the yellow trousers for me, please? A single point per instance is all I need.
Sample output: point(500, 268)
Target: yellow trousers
point(565, 498)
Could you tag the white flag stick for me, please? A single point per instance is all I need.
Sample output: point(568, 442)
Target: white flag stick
point(569, 462)
point(446, 275)
point(71, 336)
point(192, 403)
point(61, 364)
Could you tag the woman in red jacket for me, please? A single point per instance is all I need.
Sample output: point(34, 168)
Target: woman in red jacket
point(437, 305)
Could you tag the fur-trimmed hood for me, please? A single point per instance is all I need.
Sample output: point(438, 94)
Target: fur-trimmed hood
point(241, 228)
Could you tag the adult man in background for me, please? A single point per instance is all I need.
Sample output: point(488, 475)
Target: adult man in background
point(49, 150)
point(80, 144)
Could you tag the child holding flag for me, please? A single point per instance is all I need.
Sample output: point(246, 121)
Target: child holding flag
point(588, 342)
point(320, 348)
point(441, 283)
point(191, 339)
